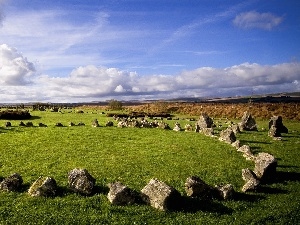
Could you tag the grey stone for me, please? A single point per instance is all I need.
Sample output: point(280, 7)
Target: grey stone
point(265, 166)
point(160, 195)
point(109, 124)
point(177, 127)
point(208, 131)
point(195, 187)
point(247, 153)
point(225, 192)
point(81, 181)
point(95, 123)
point(276, 121)
point(7, 124)
point(227, 136)
point(43, 186)
point(188, 127)
point(11, 183)
point(251, 181)
point(236, 144)
point(205, 121)
point(120, 194)
point(248, 123)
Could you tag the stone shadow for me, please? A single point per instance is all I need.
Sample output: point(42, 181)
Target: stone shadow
point(193, 205)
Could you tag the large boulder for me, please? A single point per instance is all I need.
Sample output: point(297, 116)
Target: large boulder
point(251, 181)
point(265, 166)
point(227, 136)
point(197, 188)
point(120, 194)
point(160, 195)
point(205, 121)
point(277, 122)
point(11, 183)
point(81, 181)
point(43, 186)
point(276, 127)
point(247, 123)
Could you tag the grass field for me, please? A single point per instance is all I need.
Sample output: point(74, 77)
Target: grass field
point(134, 156)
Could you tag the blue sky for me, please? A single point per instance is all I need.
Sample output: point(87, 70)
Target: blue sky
point(74, 51)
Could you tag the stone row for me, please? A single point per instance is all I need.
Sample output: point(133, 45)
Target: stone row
point(156, 193)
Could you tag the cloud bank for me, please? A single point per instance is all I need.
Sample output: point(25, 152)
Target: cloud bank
point(253, 19)
point(19, 83)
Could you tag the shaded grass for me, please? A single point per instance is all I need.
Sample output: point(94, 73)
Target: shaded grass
point(134, 156)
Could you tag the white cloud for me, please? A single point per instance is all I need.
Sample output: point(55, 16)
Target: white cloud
point(15, 69)
point(253, 19)
point(89, 83)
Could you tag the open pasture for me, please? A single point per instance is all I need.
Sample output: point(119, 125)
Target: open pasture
point(134, 156)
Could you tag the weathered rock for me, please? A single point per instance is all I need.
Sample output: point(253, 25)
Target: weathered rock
point(227, 136)
point(11, 183)
point(276, 121)
point(188, 127)
point(81, 124)
point(163, 125)
point(160, 195)
point(177, 127)
point(225, 191)
point(95, 123)
point(236, 144)
point(207, 131)
point(235, 128)
point(43, 186)
point(197, 128)
point(122, 124)
point(109, 124)
point(81, 181)
point(120, 194)
point(42, 125)
point(22, 124)
point(248, 123)
point(252, 183)
point(265, 166)
point(7, 124)
point(29, 124)
point(195, 187)
point(205, 121)
point(71, 124)
point(247, 153)
point(59, 124)
point(274, 132)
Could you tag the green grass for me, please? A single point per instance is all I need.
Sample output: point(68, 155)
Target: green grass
point(134, 156)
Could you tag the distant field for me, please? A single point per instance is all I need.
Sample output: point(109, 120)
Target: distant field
point(134, 156)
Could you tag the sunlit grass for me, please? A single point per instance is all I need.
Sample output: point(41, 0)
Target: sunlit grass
point(134, 156)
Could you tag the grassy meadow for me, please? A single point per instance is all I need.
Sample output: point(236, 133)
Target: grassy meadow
point(134, 156)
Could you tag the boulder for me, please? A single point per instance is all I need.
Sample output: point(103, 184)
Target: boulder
point(277, 122)
point(29, 124)
point(252, 183)
point(197, 128)
point(43, 186)
point(235, 128)
point(205, 121)
point(7, 124)
point(265, 166)
point(208, 131)
point(81, 124)
point(95, 123)
point(247, 153)
point(197, 188)
point(42, 125)
point(177, 127)
point(236, 144)
point(160, 195)
point(71, 124)
point(274, 132)
point(59, 124)
point(227, 136)
point(81, 181)
point(225, 192)
point(188, 127)
point(11, 183)
point(248, 123)
point(163, 125)
point(120, 194)
point(22, 124)
point(109, 124)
